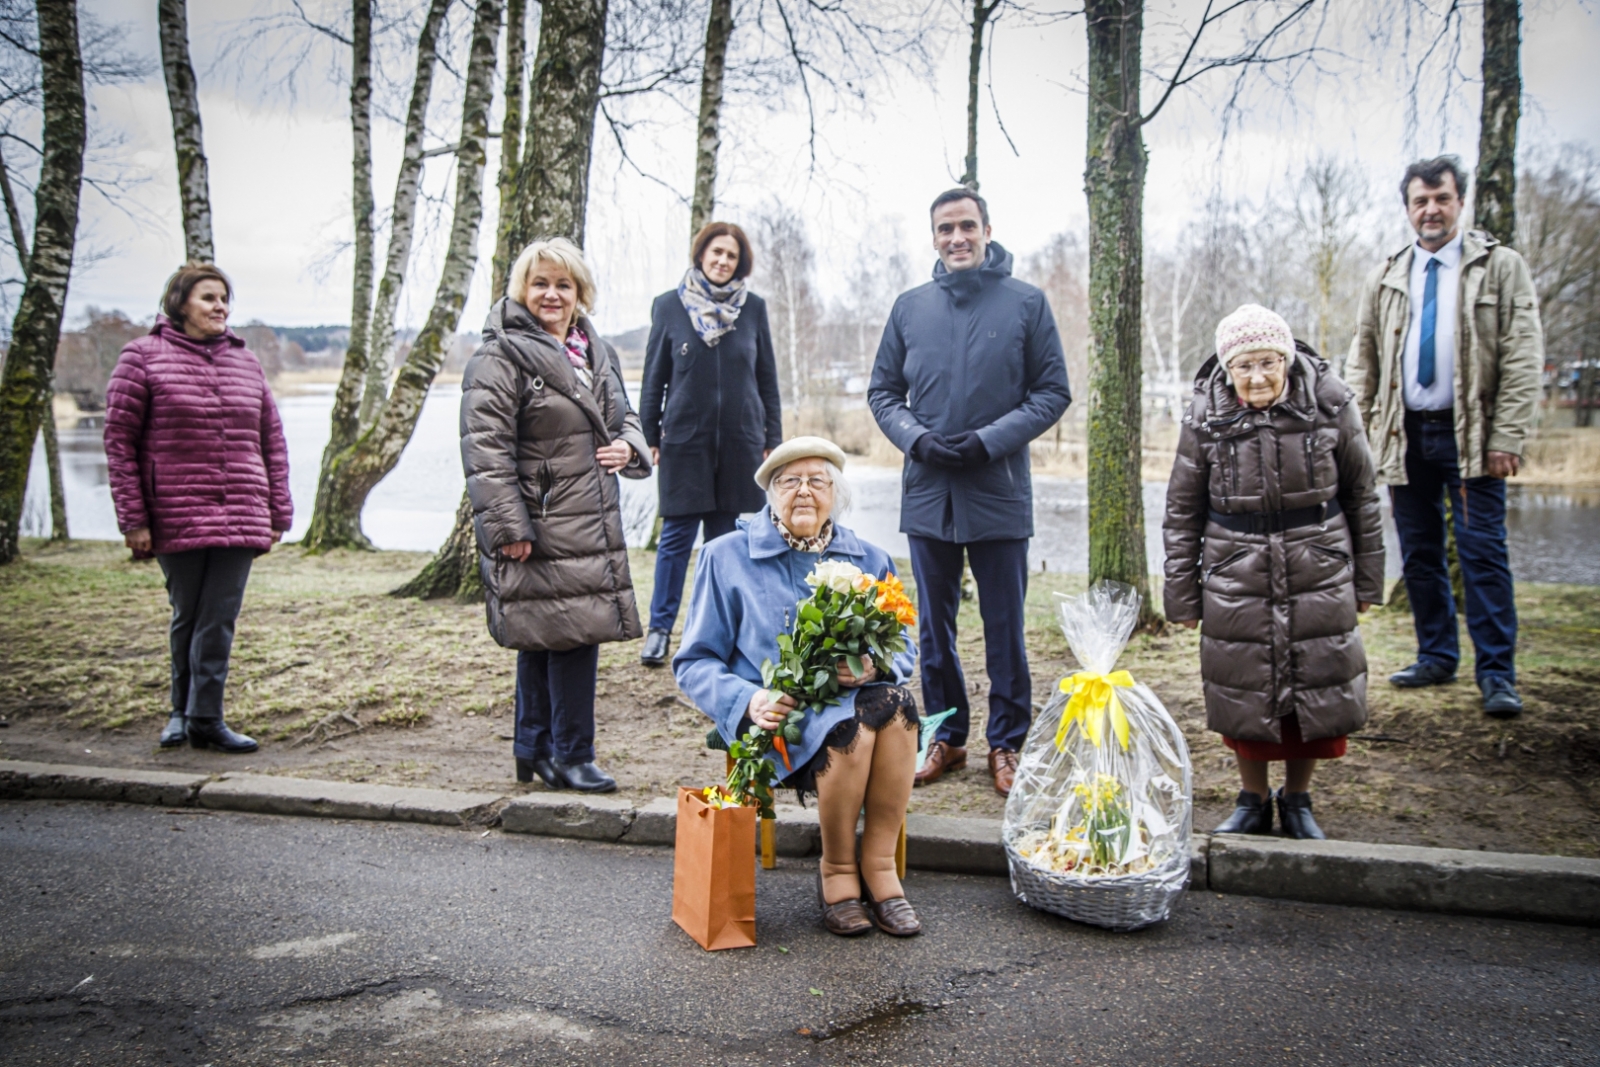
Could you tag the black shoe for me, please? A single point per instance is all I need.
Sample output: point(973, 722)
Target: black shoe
point(1294, 811)
point(214, 733)
point(1423, 673)
point(524, 769)
point(656, 645)
point(546, 770)
point(175, 732)
point(1252, 816)
point(584, 777)
point(1500, 698)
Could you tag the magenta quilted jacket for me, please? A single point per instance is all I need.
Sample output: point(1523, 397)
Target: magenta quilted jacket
point(194, 445)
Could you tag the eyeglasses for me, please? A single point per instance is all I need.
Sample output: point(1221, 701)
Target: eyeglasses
point(790, 483)
point(1256, 369)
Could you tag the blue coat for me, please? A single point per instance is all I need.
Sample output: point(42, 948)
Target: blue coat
point(973, 350)
point(746, 587)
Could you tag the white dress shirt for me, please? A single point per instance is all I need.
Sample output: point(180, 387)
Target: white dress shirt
point(1442, 393)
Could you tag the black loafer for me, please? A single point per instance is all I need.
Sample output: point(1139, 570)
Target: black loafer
point(1252, 816)
point(656, 645)
point(1423, 673)
point(176, 732)
point(214, 733)
point(584, 777)
point(1294, 811)
point(1500, 698)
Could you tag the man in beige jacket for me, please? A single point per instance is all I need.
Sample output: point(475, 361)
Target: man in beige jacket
point(1446, 367)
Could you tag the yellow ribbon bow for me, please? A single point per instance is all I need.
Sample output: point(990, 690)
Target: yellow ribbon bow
point(1093, 695)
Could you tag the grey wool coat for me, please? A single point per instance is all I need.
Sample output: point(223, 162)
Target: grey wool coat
point(529, 430)
point(1277, 611)
point(971, 350)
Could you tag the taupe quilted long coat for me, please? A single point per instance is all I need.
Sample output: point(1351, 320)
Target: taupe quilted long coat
point(529, 430)
point(1277, 610)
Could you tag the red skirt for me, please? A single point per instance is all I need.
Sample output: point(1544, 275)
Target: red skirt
point(1291, 747)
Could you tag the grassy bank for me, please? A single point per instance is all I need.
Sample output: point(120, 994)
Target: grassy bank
point(340, 680)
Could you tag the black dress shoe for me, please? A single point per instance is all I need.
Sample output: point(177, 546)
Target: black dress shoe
point(656, 645)
point(1252, 816)
point(1500, 698)
point(546, 770)
point(214, 733)
point(175, 732)
point(1294, 811)
point(1423, 673)
point(584, 777)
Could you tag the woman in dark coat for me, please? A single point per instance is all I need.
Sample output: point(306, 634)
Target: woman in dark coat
point(1274, 545)
point(545, 429)
point(200, 478)
point(710, 411)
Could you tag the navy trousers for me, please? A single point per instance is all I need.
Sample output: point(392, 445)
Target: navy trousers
point(205, 587)
point(1478, 506)
point(555, 705)
point(1001, 570)
point(672, 560)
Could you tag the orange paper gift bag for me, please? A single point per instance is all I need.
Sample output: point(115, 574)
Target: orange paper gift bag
point(714, 873)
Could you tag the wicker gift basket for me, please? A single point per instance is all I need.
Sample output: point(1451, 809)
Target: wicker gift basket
point(1097, 825)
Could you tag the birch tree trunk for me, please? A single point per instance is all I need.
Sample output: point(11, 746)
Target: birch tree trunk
point(345, 418)
point(352, 474)
point(402, 217)
point(980, 19)
point(26, 382)
point(510, 143)
point(1495, 206)
point(553, 181)
point(1114, 181)
point(193, 176)
point(719, 28)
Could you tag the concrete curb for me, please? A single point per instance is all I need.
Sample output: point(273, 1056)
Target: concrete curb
point(1496, 884)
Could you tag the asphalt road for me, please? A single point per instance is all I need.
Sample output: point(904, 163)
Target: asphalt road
point(140, 936)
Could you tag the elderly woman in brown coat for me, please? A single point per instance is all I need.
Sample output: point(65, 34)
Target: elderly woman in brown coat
point(1274, 545)
point(545, 428)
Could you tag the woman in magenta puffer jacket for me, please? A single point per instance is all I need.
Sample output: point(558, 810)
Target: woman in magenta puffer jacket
point(200, 478)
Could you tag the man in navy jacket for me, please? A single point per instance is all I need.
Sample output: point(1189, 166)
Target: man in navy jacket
point(970, 369)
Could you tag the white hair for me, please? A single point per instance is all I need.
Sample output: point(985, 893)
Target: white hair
point(841, 487)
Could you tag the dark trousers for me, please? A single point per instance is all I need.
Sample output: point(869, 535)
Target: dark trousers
point(206, 588)
point(1001, 570)
point(1479, 509)
point(672, 560)
point(555, 705)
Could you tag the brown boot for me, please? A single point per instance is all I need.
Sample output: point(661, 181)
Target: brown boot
point(941, 757)
point(1003, 769)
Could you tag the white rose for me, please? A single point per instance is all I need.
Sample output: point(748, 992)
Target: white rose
point(835, 574)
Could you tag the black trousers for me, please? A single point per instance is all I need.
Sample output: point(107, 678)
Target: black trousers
point(1000, 569)
point(205, 587)
point(555, 705)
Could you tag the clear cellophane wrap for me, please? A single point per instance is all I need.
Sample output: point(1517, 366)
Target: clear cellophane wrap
point(1097, 825)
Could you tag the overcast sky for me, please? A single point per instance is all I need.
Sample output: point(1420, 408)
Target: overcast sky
point(280, 166)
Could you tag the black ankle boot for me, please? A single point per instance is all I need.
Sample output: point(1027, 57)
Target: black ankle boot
point(585, 777)
point(1252, 816)
point(175, 732)
point(527, 768)
point(1294, 811)
point(214, 733)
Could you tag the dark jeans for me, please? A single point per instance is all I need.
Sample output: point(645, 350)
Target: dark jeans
point(205, 587)
point(555, 705)
point(672, 560)
point(1479, 509)
point(1001, 570)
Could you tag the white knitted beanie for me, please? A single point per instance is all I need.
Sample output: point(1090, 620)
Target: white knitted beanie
point(1253, 328)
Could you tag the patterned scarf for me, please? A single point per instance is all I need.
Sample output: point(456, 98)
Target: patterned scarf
point(817, 543)
point(576, 347)
point(713, 309)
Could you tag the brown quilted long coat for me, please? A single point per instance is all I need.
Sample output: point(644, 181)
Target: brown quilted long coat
point(529, 430)
point(1277, 611)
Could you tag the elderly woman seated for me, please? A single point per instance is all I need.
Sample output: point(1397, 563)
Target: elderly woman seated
point(859, 752)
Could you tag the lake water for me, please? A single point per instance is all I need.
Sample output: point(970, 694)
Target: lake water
point(1554, 536)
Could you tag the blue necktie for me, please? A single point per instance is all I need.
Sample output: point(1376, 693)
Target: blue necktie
point(1430, 315)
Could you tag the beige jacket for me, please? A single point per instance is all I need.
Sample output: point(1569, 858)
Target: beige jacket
point(1499, 356)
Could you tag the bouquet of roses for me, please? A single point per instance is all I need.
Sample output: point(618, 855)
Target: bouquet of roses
point(848, 617)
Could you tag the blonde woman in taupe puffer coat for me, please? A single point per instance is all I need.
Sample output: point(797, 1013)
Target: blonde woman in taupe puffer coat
point(1274, 545)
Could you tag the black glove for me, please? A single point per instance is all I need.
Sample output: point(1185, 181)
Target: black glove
point(969, 446)
point(932, 448)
